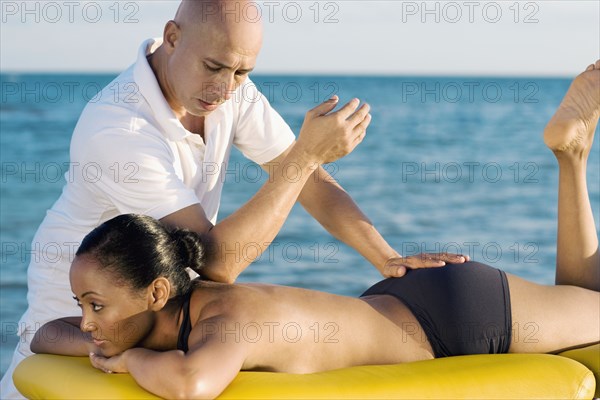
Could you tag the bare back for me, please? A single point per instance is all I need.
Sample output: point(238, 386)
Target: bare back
point(286, 329)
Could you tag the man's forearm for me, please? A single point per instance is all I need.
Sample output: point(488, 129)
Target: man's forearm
point(333, 207)
point(242, 237)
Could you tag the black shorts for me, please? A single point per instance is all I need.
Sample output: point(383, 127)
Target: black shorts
point(463, 308)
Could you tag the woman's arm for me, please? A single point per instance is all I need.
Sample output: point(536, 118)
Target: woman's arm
point(62, 336)
point(204, 372)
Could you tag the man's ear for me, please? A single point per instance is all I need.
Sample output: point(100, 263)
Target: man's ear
point(160, 291)
point(171, 36)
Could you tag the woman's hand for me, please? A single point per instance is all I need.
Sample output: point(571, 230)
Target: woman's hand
point(115, 364)
point(396, 267)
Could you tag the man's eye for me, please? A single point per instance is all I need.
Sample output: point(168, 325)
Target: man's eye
point(208, 67)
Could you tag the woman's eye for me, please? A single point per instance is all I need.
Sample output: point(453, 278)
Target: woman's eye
point(96, 307)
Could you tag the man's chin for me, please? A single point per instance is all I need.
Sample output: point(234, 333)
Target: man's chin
point(198, 113)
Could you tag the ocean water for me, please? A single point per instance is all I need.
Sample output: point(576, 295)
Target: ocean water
point(448, 164)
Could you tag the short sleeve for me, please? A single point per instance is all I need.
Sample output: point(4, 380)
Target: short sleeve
point(135, 172)
point(261, 134)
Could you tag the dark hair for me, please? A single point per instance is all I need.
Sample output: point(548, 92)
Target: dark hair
point(137, 249)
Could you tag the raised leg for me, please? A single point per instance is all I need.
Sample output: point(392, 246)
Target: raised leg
point(551, 318)
point(570, 134)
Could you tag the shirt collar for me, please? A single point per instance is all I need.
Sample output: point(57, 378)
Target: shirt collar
point(149, 88)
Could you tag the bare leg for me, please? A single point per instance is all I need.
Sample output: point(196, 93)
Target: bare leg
point(570, 134)
point(551, 318)
point(546, 319)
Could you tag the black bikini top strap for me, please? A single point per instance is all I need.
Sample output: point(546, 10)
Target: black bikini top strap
point(186, 325)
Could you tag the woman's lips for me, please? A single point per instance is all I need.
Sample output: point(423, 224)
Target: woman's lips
point(99, 342)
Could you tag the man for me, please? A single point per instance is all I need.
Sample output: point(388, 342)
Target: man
point(179, 109)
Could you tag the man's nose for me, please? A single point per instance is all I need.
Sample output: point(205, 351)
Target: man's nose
point(223, 89)
point(229, 86)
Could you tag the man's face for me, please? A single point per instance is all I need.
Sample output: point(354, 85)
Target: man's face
point(206, 64)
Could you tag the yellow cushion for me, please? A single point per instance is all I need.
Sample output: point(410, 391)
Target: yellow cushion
point(483, 376)
point(590, 357)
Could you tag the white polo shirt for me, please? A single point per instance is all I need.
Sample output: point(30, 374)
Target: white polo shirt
point(130, 154)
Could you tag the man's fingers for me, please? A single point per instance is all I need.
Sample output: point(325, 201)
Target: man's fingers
point(360, 115)
point(453, 258)
point(399, 266)
point(324, 107)
point(361, 129)
point(348, 109)
point(424, 261)
point(427, 263)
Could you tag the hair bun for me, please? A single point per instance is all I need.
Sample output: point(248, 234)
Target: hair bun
point(191, 249)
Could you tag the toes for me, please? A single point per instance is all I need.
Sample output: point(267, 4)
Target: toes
point(591, 67)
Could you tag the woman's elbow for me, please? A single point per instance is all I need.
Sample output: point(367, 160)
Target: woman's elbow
point(37, 343)
point(35, 347)
point(187, 382)
point(198, 389)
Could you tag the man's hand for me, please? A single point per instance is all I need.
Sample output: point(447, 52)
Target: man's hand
point(327, 136)
point(114, 364)
point(396, 267)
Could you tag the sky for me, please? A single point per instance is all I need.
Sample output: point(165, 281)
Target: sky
point(512, 38)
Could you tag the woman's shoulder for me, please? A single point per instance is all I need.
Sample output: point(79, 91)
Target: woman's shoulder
point(210, 300)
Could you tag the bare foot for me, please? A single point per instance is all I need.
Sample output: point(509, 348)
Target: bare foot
point(571, 129)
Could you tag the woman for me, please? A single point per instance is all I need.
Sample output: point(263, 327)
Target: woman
point(188, 339)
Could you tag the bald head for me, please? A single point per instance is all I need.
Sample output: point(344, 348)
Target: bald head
point(235, 24)
point(206, 14)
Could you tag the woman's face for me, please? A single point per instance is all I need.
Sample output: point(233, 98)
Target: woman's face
point(116, 316)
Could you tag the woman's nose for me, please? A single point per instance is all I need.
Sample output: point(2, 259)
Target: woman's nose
point(86, 325)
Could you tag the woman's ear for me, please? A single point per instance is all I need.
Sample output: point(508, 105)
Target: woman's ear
point(160, 291)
